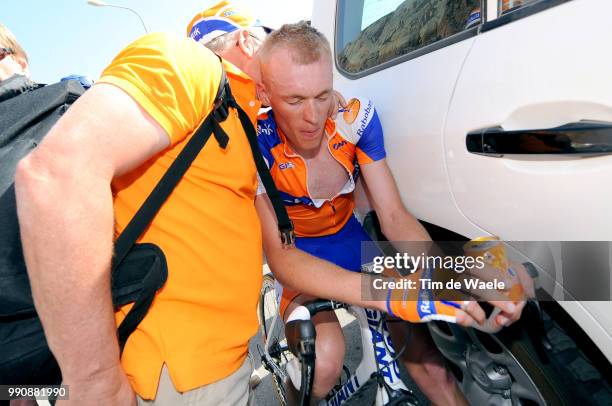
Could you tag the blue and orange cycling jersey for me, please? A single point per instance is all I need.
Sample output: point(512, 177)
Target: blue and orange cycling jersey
point(354, 138)
point(327, 228)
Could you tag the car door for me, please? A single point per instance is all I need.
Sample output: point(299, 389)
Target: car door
point(543, 70)
point(528, 135)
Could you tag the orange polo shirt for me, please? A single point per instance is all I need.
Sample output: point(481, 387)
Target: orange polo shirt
point(202, 319)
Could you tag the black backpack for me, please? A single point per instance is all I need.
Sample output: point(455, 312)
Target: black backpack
point(27, 113)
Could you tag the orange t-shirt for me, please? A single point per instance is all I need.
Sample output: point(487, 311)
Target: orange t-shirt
point(201, 321)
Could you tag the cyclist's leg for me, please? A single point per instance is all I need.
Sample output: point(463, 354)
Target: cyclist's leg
point(425, 364)
point(329, 348)
point(344, 250)
point(421, 357)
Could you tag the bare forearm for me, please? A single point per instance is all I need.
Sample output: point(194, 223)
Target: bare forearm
point(305, 273)
point(66, 224)
point(400, 225)
point(316, 277)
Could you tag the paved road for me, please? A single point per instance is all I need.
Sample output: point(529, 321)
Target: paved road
point(264, 392)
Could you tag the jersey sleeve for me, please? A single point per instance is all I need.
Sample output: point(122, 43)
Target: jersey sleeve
point(264, 121)
point(174, 79)
point(361, 120)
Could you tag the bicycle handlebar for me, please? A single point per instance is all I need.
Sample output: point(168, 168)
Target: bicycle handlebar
point(321, 305)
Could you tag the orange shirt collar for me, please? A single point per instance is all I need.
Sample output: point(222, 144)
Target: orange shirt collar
point(243, 89)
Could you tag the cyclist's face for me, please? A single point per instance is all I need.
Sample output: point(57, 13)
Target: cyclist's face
point(300, 95)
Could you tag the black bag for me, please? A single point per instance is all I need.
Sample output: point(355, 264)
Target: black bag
point(27, 113)
point(138, 270)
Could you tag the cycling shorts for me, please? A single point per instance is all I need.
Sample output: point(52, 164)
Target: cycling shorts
point(343, 248)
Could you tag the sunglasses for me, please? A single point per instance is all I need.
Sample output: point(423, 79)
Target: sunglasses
point(259, 40)
point(256, 37)
point(4, 52)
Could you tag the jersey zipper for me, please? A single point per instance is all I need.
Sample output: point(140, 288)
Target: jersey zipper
point(306, 166)
point(331, 203)
point(345, 168)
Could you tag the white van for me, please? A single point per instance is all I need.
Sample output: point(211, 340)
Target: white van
point(498, 121)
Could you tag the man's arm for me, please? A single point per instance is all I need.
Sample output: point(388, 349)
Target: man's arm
point(398, 224)
point(303, 272)
point(65, 210)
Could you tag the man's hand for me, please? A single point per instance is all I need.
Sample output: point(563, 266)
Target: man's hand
point(338, 102)
point(467, 313)
point(510, 301)
point(418, 304)
point(111, 385)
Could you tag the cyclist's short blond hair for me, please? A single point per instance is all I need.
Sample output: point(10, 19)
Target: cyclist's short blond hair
point(8, 40)
point(305, 43)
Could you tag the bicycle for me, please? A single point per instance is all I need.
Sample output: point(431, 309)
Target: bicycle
point(288, 352)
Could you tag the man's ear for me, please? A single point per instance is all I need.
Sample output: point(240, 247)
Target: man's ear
point(262, 94)
point(245, 43)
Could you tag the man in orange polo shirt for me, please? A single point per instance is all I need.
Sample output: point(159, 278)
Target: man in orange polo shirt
point(84, 183)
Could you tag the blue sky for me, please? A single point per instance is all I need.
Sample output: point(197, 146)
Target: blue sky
point(63, 37)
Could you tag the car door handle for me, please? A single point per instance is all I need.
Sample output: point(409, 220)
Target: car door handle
point(583, 137)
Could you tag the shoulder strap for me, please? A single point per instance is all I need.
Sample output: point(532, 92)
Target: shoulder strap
point(168, 182)
point(170, 179)
point(285, 225)
point(151, 206)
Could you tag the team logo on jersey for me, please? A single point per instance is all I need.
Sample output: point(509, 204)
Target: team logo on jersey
point(264, 128)
point(339, 145)
point(285, 165)
point(365, 120)
point(351, 111)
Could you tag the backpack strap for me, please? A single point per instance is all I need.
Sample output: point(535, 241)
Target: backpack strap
point(151, 206)
point(285, 225)
point(145, 214)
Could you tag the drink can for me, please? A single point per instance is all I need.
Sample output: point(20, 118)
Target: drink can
point(492, 250)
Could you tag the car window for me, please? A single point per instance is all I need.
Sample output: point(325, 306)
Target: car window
point(372, 32)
